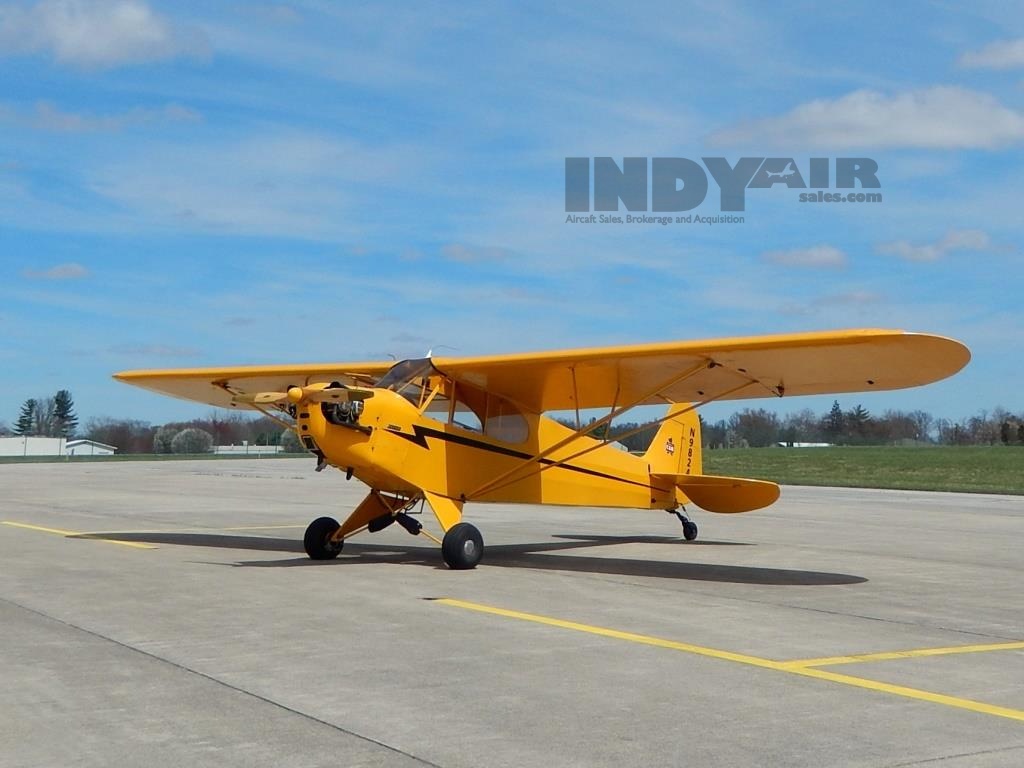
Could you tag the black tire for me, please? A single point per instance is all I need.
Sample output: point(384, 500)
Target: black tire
point(689, 530)
point(462, 547)
point(317, 539)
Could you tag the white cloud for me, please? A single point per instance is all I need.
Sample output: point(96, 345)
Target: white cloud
point(96, 34)
point(955, 240)
point(817, 256)
point(294, 184)
point(69, 271)
point(1005, 54)
point(46, 116)
point(942, 117)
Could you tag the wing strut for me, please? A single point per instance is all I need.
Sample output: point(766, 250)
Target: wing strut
point(494, 485)
point(613, 414)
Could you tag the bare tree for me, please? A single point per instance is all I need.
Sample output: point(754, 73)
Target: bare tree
point(126, 435)
point(44, 416)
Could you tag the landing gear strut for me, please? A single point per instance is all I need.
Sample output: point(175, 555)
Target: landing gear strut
point(461, 548)
point(689, 527)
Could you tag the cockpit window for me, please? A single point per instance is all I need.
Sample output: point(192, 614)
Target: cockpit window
point(409, 378)
point(466, 407)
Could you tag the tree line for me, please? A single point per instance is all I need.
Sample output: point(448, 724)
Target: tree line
point(857, 426)
point(55, 417)
point(758, 427)
point(195, 436)
point(751, 427)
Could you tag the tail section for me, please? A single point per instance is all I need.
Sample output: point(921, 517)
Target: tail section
point(674, 458)
point(675, 449)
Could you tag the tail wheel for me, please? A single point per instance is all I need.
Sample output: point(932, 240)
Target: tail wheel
point(689, 530)
point(317, 541)
point(462, 547)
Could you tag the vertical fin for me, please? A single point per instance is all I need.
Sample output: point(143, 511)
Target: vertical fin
point(675, 449)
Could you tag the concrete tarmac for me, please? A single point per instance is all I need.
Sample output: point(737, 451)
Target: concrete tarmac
point(187, 628)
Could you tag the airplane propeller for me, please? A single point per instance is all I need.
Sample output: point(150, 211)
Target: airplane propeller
point(298, 395)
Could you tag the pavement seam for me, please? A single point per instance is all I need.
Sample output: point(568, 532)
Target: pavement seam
point(944, 758)
point(222, 683)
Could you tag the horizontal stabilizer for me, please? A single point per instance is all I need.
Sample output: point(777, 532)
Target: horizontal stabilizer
point(724, 494)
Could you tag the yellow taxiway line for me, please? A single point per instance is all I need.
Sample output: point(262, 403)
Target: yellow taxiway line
point(77, 535)
point(804, 669)
point(859, 658)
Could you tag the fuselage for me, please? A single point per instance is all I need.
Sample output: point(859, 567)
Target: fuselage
point(396, 445)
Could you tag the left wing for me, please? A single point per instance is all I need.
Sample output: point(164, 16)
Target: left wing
point(719, 369)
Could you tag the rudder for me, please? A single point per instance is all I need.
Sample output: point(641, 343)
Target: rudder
point(675, 449)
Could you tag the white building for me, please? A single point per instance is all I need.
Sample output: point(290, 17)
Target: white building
point(88, 448)
point(32, 446)
point(53, 446)
point(245, 449)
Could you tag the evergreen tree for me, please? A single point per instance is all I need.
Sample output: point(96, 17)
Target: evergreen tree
point(835, 422)
point(64, 418)
point(26, 422)
point(858, 420)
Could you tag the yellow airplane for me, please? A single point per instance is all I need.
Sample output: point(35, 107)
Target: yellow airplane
point(454, 430)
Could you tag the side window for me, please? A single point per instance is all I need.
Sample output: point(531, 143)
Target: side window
point(477, 411)
point(465, 417)
point(504, 422)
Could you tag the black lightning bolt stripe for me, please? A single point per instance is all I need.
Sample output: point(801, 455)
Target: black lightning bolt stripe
point(422, 433)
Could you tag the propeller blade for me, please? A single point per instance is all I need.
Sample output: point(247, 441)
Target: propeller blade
point(260, 398)
point(304, 395)
point(336, 395)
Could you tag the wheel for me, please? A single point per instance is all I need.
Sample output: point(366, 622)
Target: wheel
point(317, 539)
point(462, 547)
point(689, 530)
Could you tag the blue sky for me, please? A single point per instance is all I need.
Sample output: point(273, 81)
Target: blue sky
point(187, 184)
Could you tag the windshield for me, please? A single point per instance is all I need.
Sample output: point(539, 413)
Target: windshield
point(409, 378)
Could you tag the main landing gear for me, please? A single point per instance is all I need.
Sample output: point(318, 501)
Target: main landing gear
point(318, 541)
point(461, 548)
point(689, 527)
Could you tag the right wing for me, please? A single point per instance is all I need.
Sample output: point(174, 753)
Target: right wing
point(219, 386)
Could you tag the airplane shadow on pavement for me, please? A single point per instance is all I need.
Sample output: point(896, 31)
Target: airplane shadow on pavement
point(533, 556)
